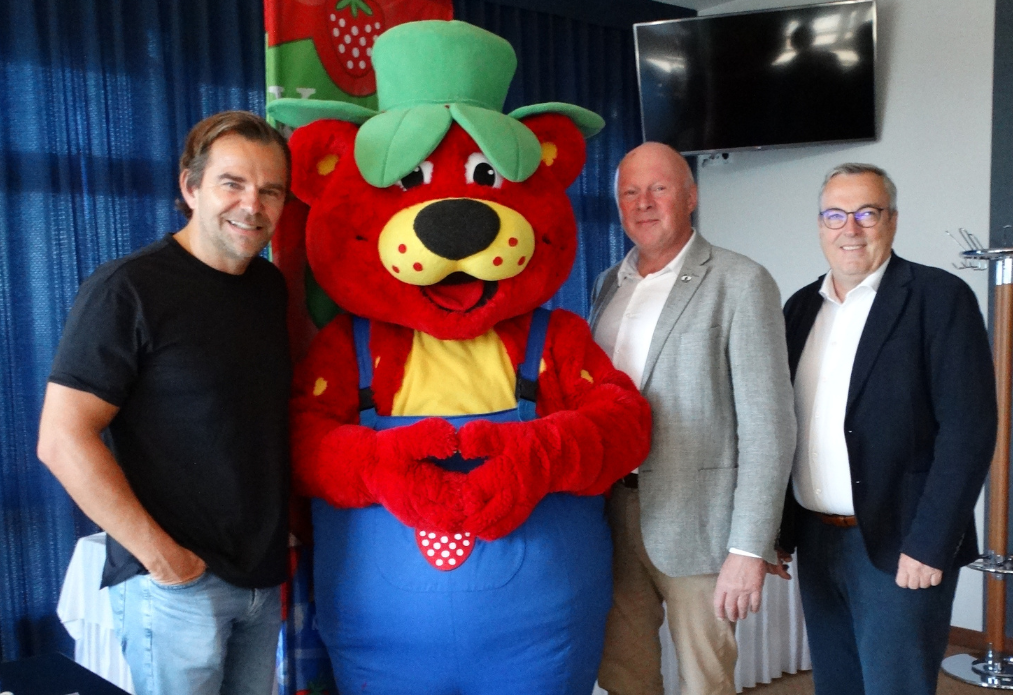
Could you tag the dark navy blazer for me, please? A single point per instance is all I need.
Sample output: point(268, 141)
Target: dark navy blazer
point(920, 423)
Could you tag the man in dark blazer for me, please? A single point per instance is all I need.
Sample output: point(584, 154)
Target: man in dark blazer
point(895, 399)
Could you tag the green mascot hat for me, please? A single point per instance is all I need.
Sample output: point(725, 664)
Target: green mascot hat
point(429, 74)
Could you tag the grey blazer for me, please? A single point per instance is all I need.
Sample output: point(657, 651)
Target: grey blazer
point(724, 423)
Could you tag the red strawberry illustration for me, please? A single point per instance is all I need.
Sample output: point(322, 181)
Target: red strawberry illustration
point(344, 42)
point(342, 28)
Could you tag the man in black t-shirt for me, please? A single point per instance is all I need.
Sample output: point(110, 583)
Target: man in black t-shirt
point(165, 418)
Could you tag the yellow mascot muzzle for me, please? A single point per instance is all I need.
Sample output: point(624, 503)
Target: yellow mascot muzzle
point(425, 243)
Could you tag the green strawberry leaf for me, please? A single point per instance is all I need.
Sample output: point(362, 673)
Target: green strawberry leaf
point(355, 6)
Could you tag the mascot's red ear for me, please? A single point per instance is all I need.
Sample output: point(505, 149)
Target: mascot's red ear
point(562, 145)
point(316, 150)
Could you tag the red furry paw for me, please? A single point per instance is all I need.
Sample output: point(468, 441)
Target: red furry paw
point(334, 470)
point(501, 493)
point(416, 491)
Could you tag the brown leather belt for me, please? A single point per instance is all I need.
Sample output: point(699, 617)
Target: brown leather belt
point(839, 520)
point(630, 481)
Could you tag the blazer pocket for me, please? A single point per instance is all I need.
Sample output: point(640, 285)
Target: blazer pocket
point(715, 494)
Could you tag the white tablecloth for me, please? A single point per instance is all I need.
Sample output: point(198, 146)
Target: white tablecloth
point(84, 610)
point(771, 643)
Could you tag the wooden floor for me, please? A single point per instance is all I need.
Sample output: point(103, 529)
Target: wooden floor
point(802, 684)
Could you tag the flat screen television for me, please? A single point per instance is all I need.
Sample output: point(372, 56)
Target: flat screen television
point(754, 80)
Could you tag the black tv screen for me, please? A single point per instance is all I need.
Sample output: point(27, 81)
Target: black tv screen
point(759, 79)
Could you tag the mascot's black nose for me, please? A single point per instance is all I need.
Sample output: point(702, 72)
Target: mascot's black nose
point(458, 228)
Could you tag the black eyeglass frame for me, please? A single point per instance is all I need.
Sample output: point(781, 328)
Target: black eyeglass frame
point(853, 213)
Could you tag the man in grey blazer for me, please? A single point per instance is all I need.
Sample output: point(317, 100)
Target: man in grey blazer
point(700, 330)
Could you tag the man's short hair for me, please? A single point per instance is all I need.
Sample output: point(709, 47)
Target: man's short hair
point(851, 169)
point(202, 136)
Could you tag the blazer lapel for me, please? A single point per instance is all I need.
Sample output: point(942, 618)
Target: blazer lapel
point(686, 284)
point(609, 286)
point(886, 310)
point(799, 323)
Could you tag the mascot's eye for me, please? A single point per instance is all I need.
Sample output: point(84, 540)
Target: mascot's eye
point(423, 173)
point(479, 170)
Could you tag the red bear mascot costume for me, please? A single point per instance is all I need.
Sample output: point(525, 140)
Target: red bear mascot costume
point(456, 439)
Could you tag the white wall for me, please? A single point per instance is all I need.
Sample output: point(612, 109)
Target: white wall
point(934, 93)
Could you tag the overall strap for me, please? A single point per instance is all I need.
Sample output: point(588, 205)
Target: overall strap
point(527, 373)
point(367, 407)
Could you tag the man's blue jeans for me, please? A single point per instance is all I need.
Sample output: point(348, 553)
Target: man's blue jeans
point(866, 634)
point(205, 637)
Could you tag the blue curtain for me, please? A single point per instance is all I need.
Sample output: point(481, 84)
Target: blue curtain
point(96, 97)
point(563, 59)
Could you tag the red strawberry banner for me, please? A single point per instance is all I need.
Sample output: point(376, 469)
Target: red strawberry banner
point(322, 49)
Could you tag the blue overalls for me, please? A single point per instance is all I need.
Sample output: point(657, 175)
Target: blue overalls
point(523, 614)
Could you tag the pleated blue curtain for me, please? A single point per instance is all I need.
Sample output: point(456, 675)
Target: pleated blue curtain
point(96, 97)
point(563, 59)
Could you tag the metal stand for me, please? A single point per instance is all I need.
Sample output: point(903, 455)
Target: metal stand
point(995, 669)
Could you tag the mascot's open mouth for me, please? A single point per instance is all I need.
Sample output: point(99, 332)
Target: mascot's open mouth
point(460, 292)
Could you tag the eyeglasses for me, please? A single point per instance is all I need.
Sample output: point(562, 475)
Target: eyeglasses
point(835, 218)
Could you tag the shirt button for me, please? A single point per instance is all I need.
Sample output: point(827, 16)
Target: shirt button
point(819, 492)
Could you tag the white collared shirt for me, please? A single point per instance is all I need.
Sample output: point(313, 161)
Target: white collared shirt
point(821, 473)
point(626, 325)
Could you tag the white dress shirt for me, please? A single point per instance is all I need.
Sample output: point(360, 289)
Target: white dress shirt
point(821, 473)
point(627, 324)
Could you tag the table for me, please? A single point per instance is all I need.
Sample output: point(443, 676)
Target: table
point(52, 674)
point(85, 613)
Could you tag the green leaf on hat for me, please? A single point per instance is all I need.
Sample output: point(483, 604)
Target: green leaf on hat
point(391, 144)
point(509, 144)
point(588, 122)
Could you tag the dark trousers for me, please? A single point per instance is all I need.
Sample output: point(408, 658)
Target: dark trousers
point(866, 634)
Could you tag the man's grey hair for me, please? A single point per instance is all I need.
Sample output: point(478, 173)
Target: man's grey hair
point(852, 169)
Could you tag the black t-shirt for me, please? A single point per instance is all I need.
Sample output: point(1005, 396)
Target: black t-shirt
point(197, 361)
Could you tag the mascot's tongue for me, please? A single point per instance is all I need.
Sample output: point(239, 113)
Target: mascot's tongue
point(456, 295)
